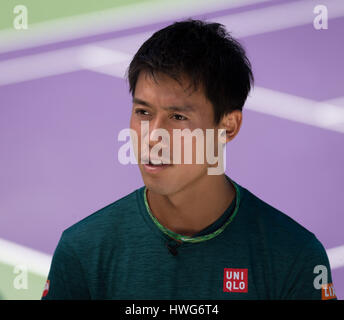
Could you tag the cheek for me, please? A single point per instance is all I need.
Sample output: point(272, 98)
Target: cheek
point(182, 150)
point(136, 139)
point(195, 150)
point(134, 124)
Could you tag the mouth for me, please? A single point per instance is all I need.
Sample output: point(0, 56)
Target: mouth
point(154, 168)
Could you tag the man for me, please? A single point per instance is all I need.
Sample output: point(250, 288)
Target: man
point(188, 234)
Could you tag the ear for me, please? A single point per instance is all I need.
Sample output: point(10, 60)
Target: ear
point(231, 122)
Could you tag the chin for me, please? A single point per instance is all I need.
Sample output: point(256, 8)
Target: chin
point(160, 186)
point(171, 182)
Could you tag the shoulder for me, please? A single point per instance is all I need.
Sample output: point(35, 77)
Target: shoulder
point(272, 225)
point(103, 222)
point(284, 247)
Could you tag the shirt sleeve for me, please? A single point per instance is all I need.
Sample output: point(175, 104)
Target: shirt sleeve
point(66, 279)
point(311, 278)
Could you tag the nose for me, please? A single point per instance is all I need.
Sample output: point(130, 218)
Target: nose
point(159, 134)
point(156, 129)
point(157, 123)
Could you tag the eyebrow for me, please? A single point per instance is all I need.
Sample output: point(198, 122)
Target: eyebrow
point(186, 108)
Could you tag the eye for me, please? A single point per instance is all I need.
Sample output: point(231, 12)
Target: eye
point(141, 112)
point(179, 117)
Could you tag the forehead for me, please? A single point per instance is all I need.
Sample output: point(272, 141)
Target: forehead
point(162, 90)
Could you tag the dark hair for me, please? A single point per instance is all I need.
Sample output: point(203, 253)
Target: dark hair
point(206, 53)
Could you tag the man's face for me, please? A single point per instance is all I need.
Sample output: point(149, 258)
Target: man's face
point(151, 102)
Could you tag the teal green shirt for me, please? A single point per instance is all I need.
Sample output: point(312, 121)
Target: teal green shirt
point(119, 252)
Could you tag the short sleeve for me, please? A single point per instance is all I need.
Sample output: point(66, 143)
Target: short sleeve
point(66, 279)
point(310, 277)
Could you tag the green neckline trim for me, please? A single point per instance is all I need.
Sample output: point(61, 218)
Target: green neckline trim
point(200, 238)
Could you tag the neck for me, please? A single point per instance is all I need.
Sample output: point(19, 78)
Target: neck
point(187, 212)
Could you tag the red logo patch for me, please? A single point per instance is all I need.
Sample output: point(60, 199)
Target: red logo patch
point(46, 288)
point(327, 292)
point(235, 280)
